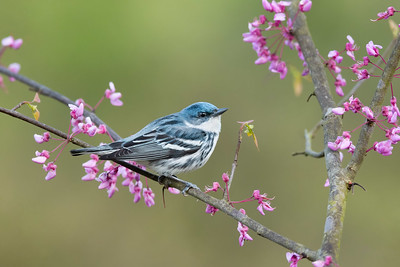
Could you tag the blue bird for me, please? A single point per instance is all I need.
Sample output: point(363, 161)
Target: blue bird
point(176, 143)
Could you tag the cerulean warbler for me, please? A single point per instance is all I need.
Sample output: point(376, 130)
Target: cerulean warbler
point(179, 142)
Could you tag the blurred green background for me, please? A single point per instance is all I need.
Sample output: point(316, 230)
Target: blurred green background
point(163, 56)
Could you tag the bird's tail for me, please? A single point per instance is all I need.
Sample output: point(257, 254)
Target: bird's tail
point(98, 150)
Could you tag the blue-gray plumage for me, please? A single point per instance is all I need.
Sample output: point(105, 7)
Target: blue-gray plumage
point(180, 142)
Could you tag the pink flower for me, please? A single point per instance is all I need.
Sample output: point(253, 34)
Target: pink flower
point(17, 44)
point(42, 138)
point(339, 83)
point(173, 190)
point(293, 258)
point(393, 135)
point(225, 177)
point(368, 112)
point(263, 200)
point(101, 129)
point(76, 112)
point(279, 17)
point(322, 263)
point(327, 183)
point(391, 112)
point(338, 111)
point(113, 96)
point(351, 47)
point(7, 41)
point(366, 61)
point(372, 49)
point(331, 64)
point(335, 55)
point(305, 5)
point(384, 147)
point(10, 42)
point(79, 101)
point(263, 57)
point(51, 170)
point(112, 189)
point(136, 189)
point(342, 142)
point(2, 85)
point(243, 229)
point(354, 105)
point(128, 175)
point(148, 197)
point(211, 210)
point(15, 68)
point(89, 127)
point(108, 179)
point(41, 157)
point(278, 66)
point(91, 168)
point(214, 188)
point(254, 34)
point(267, 6)
point(362, 75)
point(260, 21)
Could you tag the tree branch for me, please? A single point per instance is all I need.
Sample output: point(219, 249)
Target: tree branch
point(332, 127)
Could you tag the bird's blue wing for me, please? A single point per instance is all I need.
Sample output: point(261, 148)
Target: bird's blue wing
point(157, 141)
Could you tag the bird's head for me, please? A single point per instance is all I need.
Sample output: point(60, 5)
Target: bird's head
point(202, 113)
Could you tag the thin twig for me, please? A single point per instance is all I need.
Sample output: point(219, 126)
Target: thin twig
point(308, 150)
point(234, 165)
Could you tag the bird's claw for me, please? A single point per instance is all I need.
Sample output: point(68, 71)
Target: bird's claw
point(188, 185)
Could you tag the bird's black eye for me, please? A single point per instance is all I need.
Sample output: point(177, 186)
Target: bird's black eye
point(202, 114)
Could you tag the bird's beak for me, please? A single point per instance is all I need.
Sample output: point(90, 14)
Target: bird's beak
point(219, 111)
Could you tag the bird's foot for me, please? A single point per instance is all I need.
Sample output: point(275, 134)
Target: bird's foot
point(188, 185)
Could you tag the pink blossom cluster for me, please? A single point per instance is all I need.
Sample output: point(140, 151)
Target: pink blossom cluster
point(10, 42)
point(389, 125)
point(111, 171)
point(79, 124)
point(42, 157)
point(109, 177)
point(50, 168)
point(243, 229)
point(262, 199)
point(335, 58)
point(272, 51)
point(83, 124)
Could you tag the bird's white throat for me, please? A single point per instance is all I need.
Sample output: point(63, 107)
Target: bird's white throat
point(212, 125)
